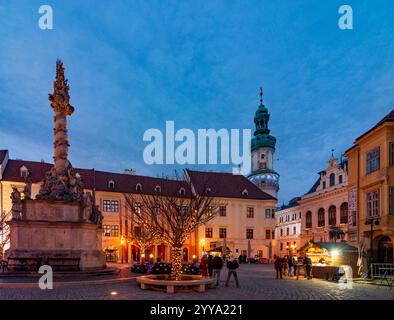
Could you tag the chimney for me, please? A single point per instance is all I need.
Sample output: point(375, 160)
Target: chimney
point(129, 172)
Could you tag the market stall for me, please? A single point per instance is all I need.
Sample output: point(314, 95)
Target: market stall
point(331, 260)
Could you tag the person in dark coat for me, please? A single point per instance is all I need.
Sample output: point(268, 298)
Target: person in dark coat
point(217, 265)
point(308, 267)
point(232, 266)
point(278, 267)
point(210, 267)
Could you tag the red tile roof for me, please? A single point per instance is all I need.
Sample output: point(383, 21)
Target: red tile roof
point(90, 177)
point(226, 185)
point(387, 118)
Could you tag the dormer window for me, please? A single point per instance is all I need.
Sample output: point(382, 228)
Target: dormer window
point(182, 191)
point(245, 192)
point(208, 190)
point(157, 189)
point(138, 187)
point(24, 172)
point(111, 184)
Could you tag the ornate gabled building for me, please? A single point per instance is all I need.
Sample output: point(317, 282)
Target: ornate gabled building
point(325, 207)
point(263, 148)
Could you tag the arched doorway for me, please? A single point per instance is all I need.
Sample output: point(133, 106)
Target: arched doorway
point(385, 250)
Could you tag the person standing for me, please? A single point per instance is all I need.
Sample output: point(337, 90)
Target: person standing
point(217, 265)
point(210, 266)
point(232, 266)
point(278, 266)
point(308, 267)
point(204, 266)
point(291, 266)
point(285, 266)
point(294, 258)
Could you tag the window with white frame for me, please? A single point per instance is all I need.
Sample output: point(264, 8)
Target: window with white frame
point(373, 204)
point(373, 160)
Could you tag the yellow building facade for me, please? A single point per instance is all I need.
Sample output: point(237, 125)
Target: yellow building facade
point(371, 190)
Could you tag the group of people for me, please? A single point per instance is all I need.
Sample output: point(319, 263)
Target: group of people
point(212, 265)
point(287, 266)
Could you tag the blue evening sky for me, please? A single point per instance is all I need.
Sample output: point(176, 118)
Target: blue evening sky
point(132, 65)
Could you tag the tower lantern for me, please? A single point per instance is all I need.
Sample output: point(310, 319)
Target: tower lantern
point(263, 148)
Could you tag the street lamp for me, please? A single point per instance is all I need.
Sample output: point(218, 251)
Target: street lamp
point(202, 242)
point(372, 221)
point(122, 244)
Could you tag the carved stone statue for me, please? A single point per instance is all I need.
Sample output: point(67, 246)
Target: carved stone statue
point(88, 206)
point(61, 183)
point(96, 216)
point(27, 189)
point(16, 204)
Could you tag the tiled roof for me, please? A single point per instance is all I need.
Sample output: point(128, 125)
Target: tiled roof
point(226, 185)
point(123, 182)
point(387, 118)
point(314, 187)
point(2, 155)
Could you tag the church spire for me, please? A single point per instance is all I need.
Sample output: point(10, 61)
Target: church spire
point(261, 117)
point(261, 96)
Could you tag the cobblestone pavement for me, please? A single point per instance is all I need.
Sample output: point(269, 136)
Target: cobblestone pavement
point(256, 282)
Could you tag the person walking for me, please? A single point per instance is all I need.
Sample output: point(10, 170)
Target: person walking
point(308, 267)
point(217, 265)
point(204, 265)
point(232, 266)
point(285, 266)
point(210, 267)
point(294, 258)
point(291, 266)
point(278, 266)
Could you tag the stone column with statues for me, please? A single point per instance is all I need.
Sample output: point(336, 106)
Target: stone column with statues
point(62, 223)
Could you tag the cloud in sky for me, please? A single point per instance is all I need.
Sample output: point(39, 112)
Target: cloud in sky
point(134, 65)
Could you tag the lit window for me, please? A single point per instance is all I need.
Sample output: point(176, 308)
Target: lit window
point(107, 231)
point(115, 231)
point(137, 207)
point(110, 205)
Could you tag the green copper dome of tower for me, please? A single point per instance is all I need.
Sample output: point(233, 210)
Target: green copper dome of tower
point(263, 148)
